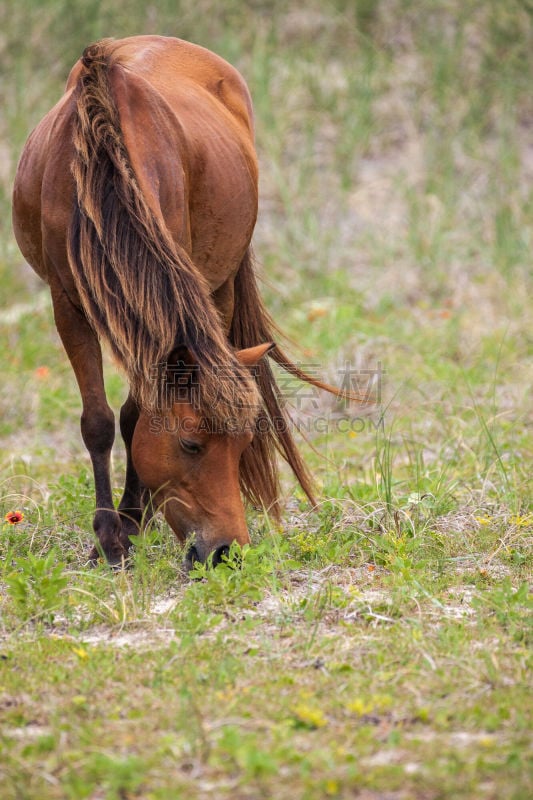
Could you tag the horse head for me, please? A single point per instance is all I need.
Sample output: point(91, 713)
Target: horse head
point(190, 464)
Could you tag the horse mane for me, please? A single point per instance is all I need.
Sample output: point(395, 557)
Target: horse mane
point(138, 287)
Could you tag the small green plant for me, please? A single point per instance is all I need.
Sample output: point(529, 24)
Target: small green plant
point(36, 586)
point(120, 776)
point(239, 579)
point(511, 607)
point(245, 752)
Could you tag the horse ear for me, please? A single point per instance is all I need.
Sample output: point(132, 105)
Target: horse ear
point(250, 356)
point(182, 355)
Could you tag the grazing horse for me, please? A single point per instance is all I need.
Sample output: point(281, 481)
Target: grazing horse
point(135, 200)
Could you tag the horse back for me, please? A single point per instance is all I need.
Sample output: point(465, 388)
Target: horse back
point(166, 62)
point(187, 124)
point(187, 119)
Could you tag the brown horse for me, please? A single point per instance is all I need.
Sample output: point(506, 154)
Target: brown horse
point(135, 200)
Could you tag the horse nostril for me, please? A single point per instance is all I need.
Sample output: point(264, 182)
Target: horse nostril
point(220, 554)
point(196, 555)
point(192, 556)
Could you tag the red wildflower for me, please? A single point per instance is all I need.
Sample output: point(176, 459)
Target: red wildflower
point(42, 373)
point(14, 517)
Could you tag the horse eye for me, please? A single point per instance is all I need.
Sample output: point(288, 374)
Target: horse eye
point(191, 448)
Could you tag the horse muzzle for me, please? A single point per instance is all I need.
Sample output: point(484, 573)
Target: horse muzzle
point(200, 552)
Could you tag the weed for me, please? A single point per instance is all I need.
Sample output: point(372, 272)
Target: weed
point(36, 586)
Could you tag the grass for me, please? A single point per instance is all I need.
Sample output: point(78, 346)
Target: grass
point(380, 645)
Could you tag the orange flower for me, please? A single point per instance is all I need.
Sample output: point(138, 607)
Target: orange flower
point(42, 373)
point(14, 517)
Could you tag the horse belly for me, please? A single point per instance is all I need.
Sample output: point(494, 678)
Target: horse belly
point(222, 200)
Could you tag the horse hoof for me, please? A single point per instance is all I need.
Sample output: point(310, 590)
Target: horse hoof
point(116, 561)
point(93, 558)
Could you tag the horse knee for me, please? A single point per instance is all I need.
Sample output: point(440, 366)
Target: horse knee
point(98, 429)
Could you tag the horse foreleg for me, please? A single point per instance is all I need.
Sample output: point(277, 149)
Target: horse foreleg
point(131, 504)
point(97, 419)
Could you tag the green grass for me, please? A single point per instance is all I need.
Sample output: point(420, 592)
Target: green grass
point(378, 646)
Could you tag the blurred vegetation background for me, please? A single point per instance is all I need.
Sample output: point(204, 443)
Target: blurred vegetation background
point(396, 148)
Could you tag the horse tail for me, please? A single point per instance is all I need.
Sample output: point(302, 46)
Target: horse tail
point(252, 325)
point(138, 287)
